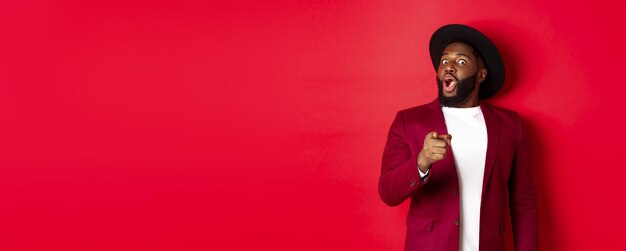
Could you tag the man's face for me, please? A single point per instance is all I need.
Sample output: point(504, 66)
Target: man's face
point(459, 72)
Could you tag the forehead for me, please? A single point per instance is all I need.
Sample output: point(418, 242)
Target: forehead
point(458, 48)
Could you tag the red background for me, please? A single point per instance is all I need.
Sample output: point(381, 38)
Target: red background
point(230, 125)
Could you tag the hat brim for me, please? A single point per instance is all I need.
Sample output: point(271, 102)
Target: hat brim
point(448, 34)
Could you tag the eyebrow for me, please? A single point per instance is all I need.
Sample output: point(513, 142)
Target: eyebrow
point(460, 54)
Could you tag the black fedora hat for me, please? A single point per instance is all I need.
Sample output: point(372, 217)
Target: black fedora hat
point(462, 33)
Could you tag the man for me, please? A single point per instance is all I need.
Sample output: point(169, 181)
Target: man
point(460, 159)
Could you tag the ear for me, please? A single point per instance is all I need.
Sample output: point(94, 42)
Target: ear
point(482, 75)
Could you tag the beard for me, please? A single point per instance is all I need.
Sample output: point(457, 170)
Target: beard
point(464, 89)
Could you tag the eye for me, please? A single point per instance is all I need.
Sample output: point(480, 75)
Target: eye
point(461, 61)
point(445, 61)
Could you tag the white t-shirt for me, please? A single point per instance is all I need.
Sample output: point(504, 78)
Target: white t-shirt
point(469, 146)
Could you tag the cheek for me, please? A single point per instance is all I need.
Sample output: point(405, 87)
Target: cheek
point(440, 72)
point(467, 73)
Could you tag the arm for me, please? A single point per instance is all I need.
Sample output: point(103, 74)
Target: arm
point(399, 175)
point(523, 198)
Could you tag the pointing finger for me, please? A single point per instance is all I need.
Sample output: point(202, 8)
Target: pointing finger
point(446, 137)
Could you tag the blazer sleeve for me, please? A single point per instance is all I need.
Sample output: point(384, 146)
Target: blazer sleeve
point(523, 199)
point(399, 175)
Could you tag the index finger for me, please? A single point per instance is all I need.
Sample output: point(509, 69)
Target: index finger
point(445, 137)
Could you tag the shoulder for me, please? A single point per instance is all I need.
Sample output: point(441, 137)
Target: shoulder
point(510, 121)
point(503, 114)
point(420, 116)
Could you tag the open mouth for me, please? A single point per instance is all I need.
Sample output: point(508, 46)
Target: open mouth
point(449, 83)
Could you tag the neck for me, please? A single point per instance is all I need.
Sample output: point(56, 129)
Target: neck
point(472, 101)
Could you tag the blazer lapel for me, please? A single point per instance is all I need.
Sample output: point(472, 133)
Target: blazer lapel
point(493, 138)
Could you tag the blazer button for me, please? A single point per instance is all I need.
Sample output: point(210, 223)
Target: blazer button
point(413, 183)
point(455, 193)
point(456, 222)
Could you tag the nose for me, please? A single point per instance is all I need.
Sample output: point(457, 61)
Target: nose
point(449, 69)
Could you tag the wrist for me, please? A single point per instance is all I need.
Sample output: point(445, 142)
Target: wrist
point(422, 163)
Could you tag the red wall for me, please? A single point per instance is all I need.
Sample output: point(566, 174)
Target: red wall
point(188, 125)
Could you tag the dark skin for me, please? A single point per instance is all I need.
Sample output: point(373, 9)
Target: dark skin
point(457, 62)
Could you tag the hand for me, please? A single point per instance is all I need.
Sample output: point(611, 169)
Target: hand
point(435, 148)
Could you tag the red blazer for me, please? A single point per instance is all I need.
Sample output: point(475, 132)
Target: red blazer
point(433, 218)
